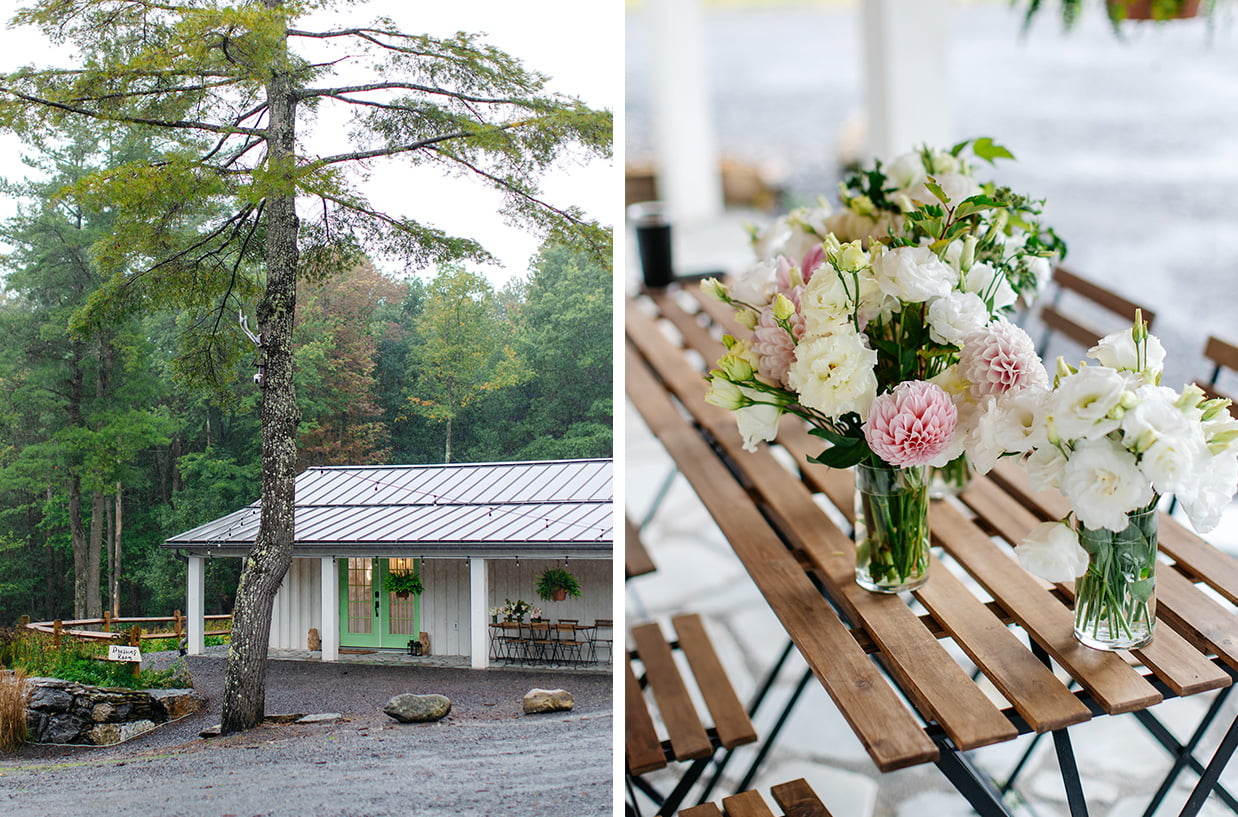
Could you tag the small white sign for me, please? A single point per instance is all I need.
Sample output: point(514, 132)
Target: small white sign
point(118, 653)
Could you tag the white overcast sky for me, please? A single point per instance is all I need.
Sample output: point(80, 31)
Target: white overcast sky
point(577, 43)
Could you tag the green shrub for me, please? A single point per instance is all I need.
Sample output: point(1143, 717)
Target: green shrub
point(81, 662)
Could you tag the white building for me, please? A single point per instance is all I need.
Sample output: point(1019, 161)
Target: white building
point(476, 534)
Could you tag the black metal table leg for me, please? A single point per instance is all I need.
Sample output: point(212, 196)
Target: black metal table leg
point(1069, 770)
point(976, 787)
point(1208, 781)
point(1184, 755)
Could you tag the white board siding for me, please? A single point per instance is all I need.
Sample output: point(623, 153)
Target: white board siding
point(445, 602)
point(296, 607)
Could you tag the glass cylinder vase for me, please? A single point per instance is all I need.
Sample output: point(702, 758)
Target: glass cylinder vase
point(1115, 600)
point(950, 479)
point(891, 527)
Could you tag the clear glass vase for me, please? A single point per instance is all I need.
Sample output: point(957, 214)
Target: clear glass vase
point(1115, 600)
point(951, 479)
point(891, 527)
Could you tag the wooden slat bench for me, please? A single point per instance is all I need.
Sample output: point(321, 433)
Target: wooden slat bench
point(889, 668)
point(795, 798)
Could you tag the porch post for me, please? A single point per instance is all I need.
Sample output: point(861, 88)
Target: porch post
point(479, 632)
point(195, 606)
point(329, 626)
point(901, 117)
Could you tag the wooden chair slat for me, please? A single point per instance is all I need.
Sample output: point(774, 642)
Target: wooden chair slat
point(1034, 691)
point(728, 713)
point(636, 561)
point(797, 799)
point(703, 810)
point(931, 677)
point(746, 804)
point(1171, 657)
point(1082, 334)
point(1114, 684)
point(1221, 352)
point(1106, 298)
point(642, 748)
point(892, 736)
point(688, 737)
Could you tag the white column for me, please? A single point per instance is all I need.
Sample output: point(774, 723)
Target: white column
point(689, 180)
point(195, 606)
point(907, 75)
point(329, 630)
point(479, 632)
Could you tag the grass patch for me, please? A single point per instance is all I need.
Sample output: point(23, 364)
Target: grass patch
point(12, 710)
point(37, 656)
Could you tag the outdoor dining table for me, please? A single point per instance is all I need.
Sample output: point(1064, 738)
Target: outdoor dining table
point(543, 641)
point(886, 660)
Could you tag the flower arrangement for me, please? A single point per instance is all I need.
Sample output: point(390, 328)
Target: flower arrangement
point(515, 610)
point(1113, 441)
point(860, 319)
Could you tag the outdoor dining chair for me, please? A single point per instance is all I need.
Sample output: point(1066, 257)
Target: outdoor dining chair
point(602, 634)
point(795, 798)
point(1085, 311)
point(1224, 358)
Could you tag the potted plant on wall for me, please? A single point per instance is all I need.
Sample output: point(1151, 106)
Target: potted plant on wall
point(556, 584)
point(403, 583)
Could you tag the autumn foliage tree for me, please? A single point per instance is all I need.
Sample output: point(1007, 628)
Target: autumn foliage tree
point(235, 205)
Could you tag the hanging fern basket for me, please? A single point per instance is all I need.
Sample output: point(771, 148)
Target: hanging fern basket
point(1152, 9)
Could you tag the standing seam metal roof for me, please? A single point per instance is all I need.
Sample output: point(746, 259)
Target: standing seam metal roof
point(566, 502)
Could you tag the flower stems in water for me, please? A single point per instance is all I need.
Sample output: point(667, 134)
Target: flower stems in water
point(1115, 600)
point(892, 533)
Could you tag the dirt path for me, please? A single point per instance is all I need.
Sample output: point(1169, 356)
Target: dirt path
point(485, 758)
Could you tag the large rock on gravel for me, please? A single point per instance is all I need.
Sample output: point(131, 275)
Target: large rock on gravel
point(104, 734)
point(547, 700)
point(410, 708)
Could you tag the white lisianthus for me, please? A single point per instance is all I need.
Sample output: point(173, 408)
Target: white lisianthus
point(755, 286)
point(1103, 483)
point(988, 283)
point(768, 242)
point(1154, 417)
point(1211, 491)
point(1172, 464)
point(1083, 401)
point(757, 422)
point(1008, 423)
point(913, 274)
point(1045, 467)
point(955, 316)
point(1052, 552)
point(1042, 269)
point(906, 170)
point(829, 298)
point(833, 373)
point(1118, 351)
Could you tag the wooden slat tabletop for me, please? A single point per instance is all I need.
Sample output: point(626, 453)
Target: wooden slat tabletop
point(803, 564)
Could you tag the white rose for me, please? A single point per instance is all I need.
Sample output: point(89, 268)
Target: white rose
point(913, 274)
point(1082, 402)
point(990, 284)
point(1118, 351)
point(1052, 552)
point(834, 373)
point(1103, 483)
point(955, 316)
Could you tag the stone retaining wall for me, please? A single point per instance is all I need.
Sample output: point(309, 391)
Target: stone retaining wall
point(66, 712)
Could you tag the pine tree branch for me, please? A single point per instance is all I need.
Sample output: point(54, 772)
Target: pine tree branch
point(409, 86)
point(131, 120)
point(507, 186)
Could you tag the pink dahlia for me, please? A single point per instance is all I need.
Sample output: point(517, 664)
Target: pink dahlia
point(911, 425)
point(1000, 358)
point(812, 259)
point(774, 347)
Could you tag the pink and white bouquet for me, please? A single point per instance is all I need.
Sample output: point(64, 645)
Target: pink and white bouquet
point(860, 318)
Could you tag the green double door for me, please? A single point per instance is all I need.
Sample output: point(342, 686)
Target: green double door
point(369, 615)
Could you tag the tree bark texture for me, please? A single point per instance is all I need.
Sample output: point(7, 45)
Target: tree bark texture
point(268, 560)
point(94, 555)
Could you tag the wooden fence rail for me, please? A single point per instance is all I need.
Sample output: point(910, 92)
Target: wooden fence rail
point(60, 628)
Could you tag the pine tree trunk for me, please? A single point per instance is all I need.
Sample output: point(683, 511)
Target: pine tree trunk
point(77, 533)
point(268, 560)
point(117, 539)
point(94, 556)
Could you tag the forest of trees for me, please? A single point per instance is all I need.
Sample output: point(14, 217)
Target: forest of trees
point(105, 451)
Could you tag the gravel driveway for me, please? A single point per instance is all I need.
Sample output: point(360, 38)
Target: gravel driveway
point(485, 758)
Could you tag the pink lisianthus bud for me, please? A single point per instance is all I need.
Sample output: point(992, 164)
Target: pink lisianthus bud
point(912, 425)
point(812, 259)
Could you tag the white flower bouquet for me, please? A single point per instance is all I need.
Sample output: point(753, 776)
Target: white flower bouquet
point(859, 319)
point(1113, 441)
